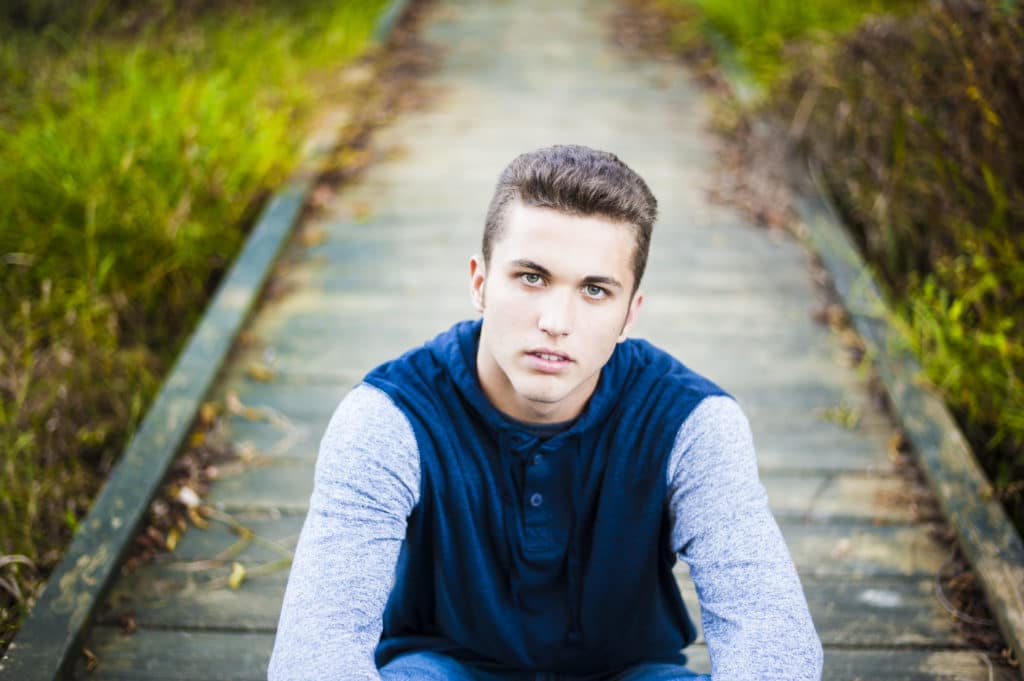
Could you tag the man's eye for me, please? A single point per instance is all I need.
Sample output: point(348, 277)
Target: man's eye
point(595, 291)
point(531, 278)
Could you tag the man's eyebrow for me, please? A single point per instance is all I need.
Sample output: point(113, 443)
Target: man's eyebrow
point(530, 265)
point(607, 281)
point(593, 279)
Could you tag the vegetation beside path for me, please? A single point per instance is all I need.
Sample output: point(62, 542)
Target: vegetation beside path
point(913, 111)
point(138, 142)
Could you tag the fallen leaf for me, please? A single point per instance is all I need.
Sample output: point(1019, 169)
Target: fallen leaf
point(91, 661)
point(312, 236)
point(197, 519)
point(237, 575)
point(246, 451)
point(236, 407)
point(258, 371)
point(173, 535)
point(208, 413)
point(188, 496)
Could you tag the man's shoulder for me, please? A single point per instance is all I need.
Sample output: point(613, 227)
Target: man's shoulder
point(659, 369)
point(367, 408)
point(424, 382)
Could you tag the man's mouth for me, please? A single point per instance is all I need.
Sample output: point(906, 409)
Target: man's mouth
point(549, 356)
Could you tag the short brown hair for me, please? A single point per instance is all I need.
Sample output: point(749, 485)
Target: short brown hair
point(576, 180)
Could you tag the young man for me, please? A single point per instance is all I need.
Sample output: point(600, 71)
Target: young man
point(507, 501)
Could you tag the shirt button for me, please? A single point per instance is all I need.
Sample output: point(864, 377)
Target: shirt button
point(536, 500)
point(537, 458)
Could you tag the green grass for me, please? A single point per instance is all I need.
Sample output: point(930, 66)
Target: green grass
point(134, 154)
point(757, 32)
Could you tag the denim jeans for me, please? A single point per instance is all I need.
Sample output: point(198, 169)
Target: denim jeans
point(427, 666)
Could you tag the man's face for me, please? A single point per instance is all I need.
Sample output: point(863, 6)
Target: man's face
point(556, 298)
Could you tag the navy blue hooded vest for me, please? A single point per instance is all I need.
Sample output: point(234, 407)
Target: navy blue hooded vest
point(540, 555)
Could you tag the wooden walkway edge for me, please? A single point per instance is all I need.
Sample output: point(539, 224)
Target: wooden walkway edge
point(50, 636)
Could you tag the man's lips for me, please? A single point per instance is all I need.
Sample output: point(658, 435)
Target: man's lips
point(549, 355)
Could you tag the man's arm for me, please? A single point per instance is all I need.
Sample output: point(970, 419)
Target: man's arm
point(753, 610)
point(367, 483)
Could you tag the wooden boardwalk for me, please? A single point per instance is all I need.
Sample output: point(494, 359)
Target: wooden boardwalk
point(730, 300)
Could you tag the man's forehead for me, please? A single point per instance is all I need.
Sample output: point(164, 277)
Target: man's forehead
point(577, 246)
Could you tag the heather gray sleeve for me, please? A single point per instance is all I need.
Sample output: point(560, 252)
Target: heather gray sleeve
point(753, 610)
point(366, 485)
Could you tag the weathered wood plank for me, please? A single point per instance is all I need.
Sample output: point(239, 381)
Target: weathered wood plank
point(286, 485)
point(802, 451)
point(412, 313)
point(856, 549)
point(791, 405)
point(848, 611)
point(872, 611)
point(863, 549)
point(868, 664)
point(364, 346)
point(805, 442)
point(154, 655)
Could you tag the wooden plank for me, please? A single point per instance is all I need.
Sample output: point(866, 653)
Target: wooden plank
point(862, 612)
point(989, 539)
point(155, 655)
point(822, 447)
point(790, 442)
point(789, 406)
point(873, 664)
point(848, 611)
point(857, 548)
point(815, 496)
point(780, 364)
point(863, 549)
point(177, 655)
point(803, 451)
point(311, 316)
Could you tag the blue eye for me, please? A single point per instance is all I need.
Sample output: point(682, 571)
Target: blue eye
point(595, 291)
point(531, 278)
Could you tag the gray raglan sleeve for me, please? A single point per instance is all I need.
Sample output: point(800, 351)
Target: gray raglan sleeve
point(366, 485)
point(753, 610)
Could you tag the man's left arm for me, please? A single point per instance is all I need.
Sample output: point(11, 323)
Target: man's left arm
point(753, 610)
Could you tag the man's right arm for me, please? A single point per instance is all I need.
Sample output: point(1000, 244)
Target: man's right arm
point(366, 485)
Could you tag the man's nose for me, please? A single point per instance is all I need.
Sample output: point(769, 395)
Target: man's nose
point(556, 317)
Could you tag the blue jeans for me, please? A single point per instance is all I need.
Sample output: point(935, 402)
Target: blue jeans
point(427, 666)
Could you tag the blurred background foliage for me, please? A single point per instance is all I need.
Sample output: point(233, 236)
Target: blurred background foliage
point(914, 111)
point(138, 141)
point(918, 125)
point(760, 34)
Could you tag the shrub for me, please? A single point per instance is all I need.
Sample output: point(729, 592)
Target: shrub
point(918, 123)
point(759, 31)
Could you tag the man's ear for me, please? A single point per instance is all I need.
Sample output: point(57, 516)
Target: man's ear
point(634, 309)
point(477, 277)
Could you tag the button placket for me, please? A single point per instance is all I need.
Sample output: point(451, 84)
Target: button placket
point(537, 503)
